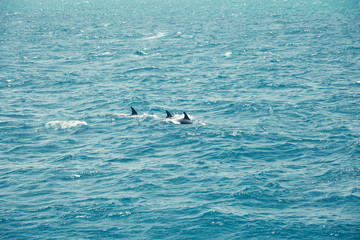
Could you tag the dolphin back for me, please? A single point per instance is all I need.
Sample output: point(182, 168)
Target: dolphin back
point(133, 112)
point(185, 120)
point(168, 114)
point(186, 116)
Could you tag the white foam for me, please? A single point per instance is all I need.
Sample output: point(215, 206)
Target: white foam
point(82, 216)
point(65, 124)
point(75, 176)
point(177, 117)
point(236, 133)
point(154, 116)
point(119, 115)
point(140, 116)
point(105, 54)
point(157, 35)
point(228, 54)
point(121, 214)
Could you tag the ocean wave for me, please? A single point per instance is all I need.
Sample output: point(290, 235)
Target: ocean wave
point(140, 53)
point(278, 93)
point(142, 69)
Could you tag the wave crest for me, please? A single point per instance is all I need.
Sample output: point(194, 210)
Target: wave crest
point(65, 124)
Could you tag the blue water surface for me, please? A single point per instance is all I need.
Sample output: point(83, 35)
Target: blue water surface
point(272, 87)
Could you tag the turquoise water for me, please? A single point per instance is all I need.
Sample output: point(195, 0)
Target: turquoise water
point(272, 87)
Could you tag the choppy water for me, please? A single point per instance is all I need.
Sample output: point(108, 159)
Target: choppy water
point(273, 88)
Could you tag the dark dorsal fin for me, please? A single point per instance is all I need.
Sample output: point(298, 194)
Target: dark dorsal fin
point(186, 116)
point(168, 115)
point(133, 112)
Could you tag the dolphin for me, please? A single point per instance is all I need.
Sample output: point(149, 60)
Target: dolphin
point(185, 120)
point(133, 112)
point(168, 115)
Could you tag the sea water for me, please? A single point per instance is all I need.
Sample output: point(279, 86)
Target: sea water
point(272, 88)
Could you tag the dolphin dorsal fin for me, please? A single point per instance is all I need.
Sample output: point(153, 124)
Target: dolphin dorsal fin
point(168, 115)
point(186, 116)
point(133, 112)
